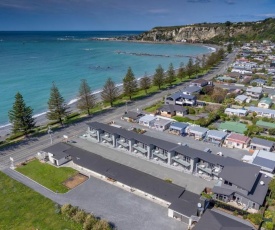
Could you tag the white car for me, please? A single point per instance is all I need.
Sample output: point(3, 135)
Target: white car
point(219, 153)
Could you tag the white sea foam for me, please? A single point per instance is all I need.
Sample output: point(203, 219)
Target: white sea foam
point(4, 126)
point(211, 48)
point(39, 114)
point(73, 101)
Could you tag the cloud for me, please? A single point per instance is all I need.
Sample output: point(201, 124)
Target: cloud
point(230, 2)
point(271, 15)
point(16, 6)
point(199, 1)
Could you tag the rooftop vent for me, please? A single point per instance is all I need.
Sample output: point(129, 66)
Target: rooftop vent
point(261, 182)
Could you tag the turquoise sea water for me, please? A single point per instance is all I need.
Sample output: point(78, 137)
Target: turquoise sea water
point(31, 61)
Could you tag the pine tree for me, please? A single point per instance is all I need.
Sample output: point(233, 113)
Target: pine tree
point(86, 98)
point(170, 75)
point(158, 79)
point(109, 92)
point(129, 83)
point(58, 110)
point(21, 116)
point(145, 83)
point(190, 67)
point(197, 67)
point(181, 71)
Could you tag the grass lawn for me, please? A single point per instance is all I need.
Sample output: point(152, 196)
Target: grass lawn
point(47, 175)
point(154, 107)
point(22, 208)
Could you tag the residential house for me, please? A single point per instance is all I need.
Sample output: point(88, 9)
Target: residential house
point(57, 153)
point(191, 90)
point(215, 220)
point(200, 83)
point(265, 160)
point(231, 126)
point(161, 124)
point(254, 92)
point(265, 125)
point(179, 98)
point(235, 140)
point(236, 112)
point(261, 112)
point(178, 128)
point(132, 116)
point(242, 99)
point(261, 144)
point(226, 79)
point(172, 110)
point(215, 137)
point(197, 132)
point(259, 82)
point(147, 120)
point(242, 184)
point(265, 103)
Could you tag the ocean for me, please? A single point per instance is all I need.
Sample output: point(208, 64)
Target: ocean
point(31, 61)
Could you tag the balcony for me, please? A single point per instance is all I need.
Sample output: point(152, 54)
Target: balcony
point(181, 161)
point(93, 133)
point(123, 143)
point(159, 155)
point(140, 149)
point(107, 137)
point(205, 169)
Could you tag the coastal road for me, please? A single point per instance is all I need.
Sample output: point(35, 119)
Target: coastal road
point(30, 147)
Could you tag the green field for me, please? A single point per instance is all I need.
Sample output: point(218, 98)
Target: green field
point(47, 175)
point(22, 208)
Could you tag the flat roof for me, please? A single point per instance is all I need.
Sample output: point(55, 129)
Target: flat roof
point(266, 155)
point(160, 121)
point(147, 118)
point(262, 142)
point(197, 129)
point(216, 134)
point(169, 192)
point(265, 164)
point(58, 150)
point(178, 125)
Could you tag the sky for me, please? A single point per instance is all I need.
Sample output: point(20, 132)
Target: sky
point(51, 15)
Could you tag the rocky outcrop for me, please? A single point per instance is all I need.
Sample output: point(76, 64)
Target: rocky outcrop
point(207, 32)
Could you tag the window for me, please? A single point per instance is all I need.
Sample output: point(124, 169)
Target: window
point(227, 183)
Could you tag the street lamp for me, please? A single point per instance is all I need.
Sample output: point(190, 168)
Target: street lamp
point(50, 133)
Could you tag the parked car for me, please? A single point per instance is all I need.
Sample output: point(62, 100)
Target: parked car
point(219, 153)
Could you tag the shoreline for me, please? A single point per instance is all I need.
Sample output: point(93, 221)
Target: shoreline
point(41, 119)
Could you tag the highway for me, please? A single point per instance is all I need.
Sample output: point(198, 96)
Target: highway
point(29, 147)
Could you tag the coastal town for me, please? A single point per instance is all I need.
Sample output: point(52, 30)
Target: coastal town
point(198, 153)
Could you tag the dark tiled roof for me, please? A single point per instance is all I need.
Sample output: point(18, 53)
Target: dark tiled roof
point(264, 163)
point(173, 108)
point(215, 221)
point(132, 115)
point(263, 142)
point(58, 150)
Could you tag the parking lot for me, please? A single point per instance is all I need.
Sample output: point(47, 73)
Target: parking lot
point(126, 210)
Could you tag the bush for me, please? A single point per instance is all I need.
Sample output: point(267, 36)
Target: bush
point(268, 225)
point(235, 213)
point(191, 111)
point(80, 216)
point(255, 218)
point(101, 225)
point(244, 217)
point(65, 209)
point(89, 222)
point(71, 213)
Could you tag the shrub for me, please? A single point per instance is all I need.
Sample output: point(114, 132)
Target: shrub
point(65, 209)
point(72, 211)
point(90, 220)
point(244, 217)
point(255, 218)
point(268, 225)
point(101, 225)
point(80, 216)
point(235, 213)
point(191, 111)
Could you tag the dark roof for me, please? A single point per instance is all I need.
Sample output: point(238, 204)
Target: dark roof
point(200, 81)
point(239, 173)
point(136, 179)
point(263, 142)
point(179, 125)
point(223, 190)
point(215, 221)
point(186, 204)
point(173, 108)
point(264, 163)
point(58, 150)
point(178, 95)
point(133, 115)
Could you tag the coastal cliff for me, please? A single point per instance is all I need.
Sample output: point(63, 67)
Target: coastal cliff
point(213, 32)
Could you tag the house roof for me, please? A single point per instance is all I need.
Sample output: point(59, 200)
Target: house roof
point(265, 124)
point(197, 129)
point(173, 108)
point(255, 89)
point(178, 125)
point(200, 81)
point(241, 111)
point(266, 100)
point(58, 150)
point(191, 89)
point(241, 97)
point(147, 118)
point(239, 173)
point(237, 138)
point(262, 142)
point(160, 121)
point(233, 127)
point(265, 154)
point(216, 221)
point(178, 95)
point(264, 163)
point(261, 110)
point(259, 80)
point(132, 115)
point(216, 134)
